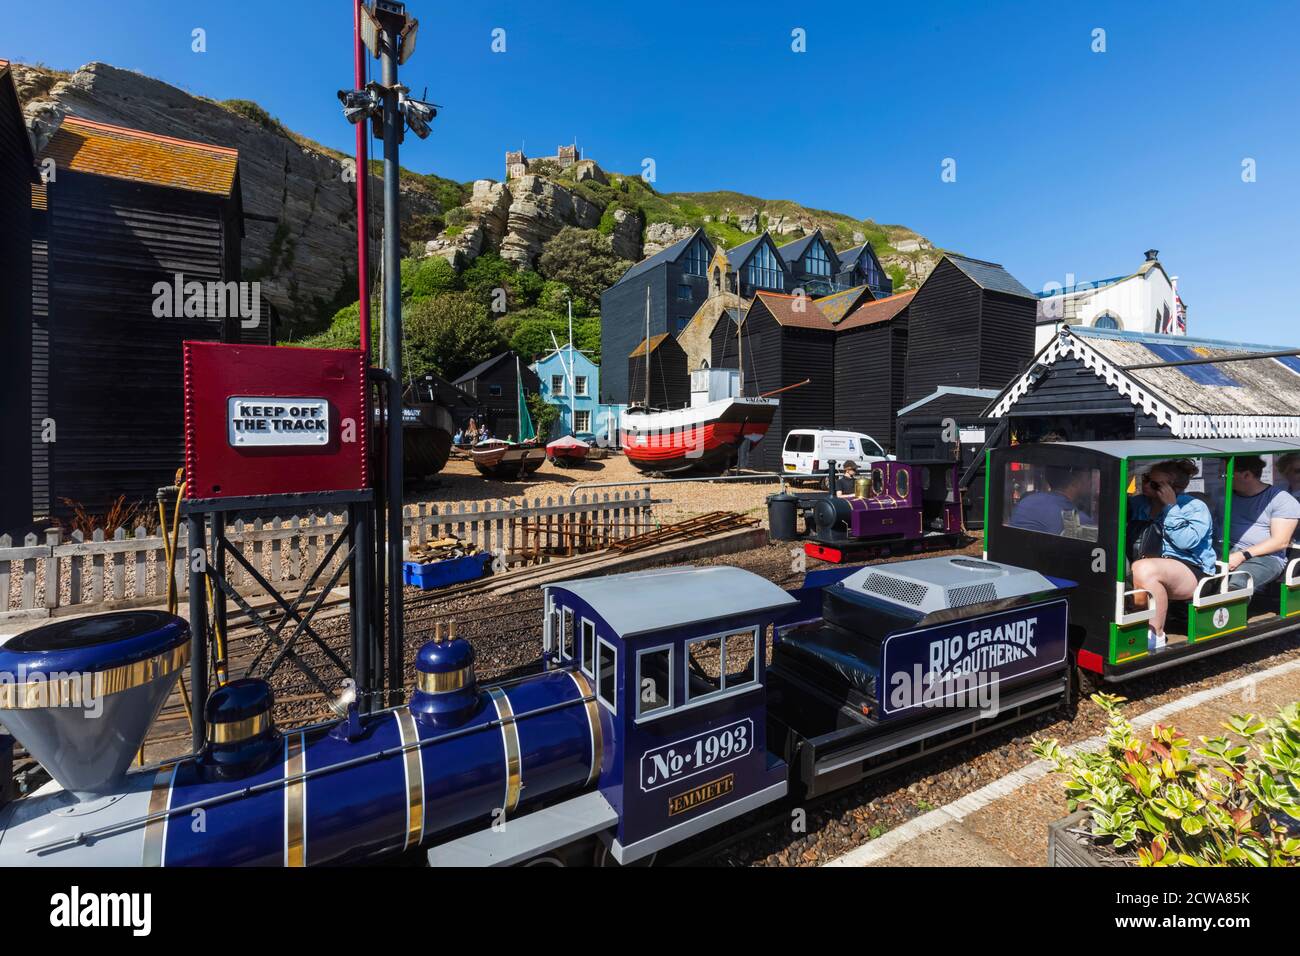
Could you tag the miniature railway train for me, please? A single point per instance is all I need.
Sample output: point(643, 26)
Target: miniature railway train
point(669, 701)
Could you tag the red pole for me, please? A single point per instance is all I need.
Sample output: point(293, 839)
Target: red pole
point(363, 175)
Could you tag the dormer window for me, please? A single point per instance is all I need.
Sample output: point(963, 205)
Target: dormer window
point(816, 261)
point(764, 272)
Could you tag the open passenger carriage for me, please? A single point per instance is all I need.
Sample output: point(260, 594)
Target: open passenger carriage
point(1098, 541)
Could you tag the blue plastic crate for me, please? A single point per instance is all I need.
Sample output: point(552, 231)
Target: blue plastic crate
point(448, 571)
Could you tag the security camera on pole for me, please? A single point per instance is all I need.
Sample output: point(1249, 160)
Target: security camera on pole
point(389, 33)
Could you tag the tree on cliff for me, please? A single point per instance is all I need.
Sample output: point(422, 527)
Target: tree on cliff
point(583, 260)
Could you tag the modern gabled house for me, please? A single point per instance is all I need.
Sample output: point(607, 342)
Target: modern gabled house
point(678, 282)
point(759, 267)
point(970, 324)
point(18, 181)
point(861, 266)
point(811, 264)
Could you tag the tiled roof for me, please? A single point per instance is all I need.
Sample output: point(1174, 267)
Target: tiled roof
point(655, 342)
point(839, 304)
point(882, 310)
point(86, 147)
point(989, 275)
point(792, 311)
point(663, 255)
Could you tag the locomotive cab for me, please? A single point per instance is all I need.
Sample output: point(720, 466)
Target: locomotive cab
point(678, 659)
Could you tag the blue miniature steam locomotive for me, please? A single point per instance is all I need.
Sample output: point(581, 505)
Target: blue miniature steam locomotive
point(670, 701)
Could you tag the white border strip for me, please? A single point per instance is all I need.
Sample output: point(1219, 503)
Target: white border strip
point(881, 847)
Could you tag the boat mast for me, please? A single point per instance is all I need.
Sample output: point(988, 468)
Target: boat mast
point(740, 344)
point(647, 348)
point(573, 401)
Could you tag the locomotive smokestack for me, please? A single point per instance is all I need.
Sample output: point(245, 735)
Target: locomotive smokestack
point(80, 695)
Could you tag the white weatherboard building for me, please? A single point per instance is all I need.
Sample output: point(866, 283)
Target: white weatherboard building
point(1145, 301)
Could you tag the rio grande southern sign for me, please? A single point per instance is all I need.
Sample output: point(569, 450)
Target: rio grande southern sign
point(277, 422)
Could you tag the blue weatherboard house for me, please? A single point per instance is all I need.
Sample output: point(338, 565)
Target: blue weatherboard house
point(571, 382)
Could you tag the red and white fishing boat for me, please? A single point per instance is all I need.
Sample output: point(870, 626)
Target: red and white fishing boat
point(567, 451)
point(704, 437)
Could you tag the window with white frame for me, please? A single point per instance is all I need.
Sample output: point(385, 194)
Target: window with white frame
point(557, 384)
point(582, 421)
point(654, 680)
point(580, 385)
point(721, 662)
point(607, 675)
point(588, 647)
point(566, 633)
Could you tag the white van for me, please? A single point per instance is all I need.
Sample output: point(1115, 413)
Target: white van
point(807, 451)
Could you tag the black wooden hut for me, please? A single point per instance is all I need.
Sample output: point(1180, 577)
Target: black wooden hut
point(17, 181)
point(1092, 384)
point(134, 221)
point(494, 384)
point(786, 340)
point(870, 360)
point(670, 382)
point(971, 324)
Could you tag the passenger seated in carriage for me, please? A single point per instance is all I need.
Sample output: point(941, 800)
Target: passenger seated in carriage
point(1059, 510)
point(1263, 523)
point(1186, 537)
point(1287, 468)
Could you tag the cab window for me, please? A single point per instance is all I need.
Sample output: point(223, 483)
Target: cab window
point(654, 672)
point(721, 662)
point(607, 675)
point(588, 646)
point(566, 633)
point(1059, 500)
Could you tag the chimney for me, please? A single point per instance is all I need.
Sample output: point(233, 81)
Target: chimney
point(81, 694)
point(1151, 254)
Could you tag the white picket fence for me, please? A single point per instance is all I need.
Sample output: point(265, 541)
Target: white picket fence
point(130, 570)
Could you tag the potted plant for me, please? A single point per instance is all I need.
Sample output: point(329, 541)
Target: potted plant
point(1233, 801)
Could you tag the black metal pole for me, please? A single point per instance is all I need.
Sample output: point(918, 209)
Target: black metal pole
point(362, 630)
point(393, 354)
point(196, 540)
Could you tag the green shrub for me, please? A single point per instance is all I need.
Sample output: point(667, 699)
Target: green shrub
point(1158, 806)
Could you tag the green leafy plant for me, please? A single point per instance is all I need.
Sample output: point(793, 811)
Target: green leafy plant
point(1156, 804)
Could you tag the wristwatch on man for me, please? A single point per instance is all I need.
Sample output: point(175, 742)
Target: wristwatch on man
point(1246, 555)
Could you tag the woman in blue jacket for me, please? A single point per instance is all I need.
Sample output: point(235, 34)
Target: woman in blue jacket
point(1187, 540)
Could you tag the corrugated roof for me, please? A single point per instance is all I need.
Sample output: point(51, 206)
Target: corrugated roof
point(1263, 399)
point(839, 304)
point(881, 310)
point(655, 342)
point(794, 311)
point(989, 275)
point(663, 255)
point(87, 147)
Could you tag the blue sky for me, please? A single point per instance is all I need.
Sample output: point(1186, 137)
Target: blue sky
point(1068, 161)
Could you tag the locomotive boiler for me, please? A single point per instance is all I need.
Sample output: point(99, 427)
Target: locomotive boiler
point(84, 693)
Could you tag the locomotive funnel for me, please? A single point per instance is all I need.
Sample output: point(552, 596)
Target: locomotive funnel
point(80, 695)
